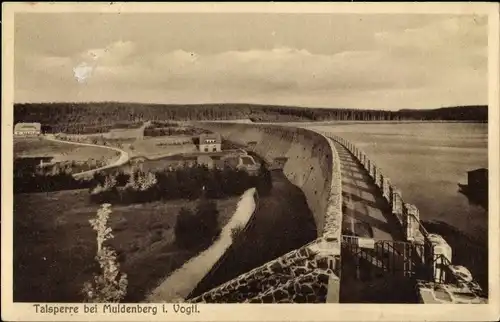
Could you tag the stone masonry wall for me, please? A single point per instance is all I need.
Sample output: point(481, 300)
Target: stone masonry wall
point(458, 286)
point(303, 275)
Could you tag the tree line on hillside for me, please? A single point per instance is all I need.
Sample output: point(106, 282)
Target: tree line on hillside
point(460, 113)
point(83, 117)
point(167, 130)
point(47, 182)
point(87, 128)
point(181, 183)
point(127, 125)
point(95, 139)
point(71, 128)
point(30, 177)
point(141, 186)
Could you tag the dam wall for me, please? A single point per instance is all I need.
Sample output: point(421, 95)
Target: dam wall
point(308, 163)
point(447, 283)
point(311, 273)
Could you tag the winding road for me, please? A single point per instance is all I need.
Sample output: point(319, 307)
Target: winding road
point(124, 156)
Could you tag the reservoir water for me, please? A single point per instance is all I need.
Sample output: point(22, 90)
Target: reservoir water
point(426, 161)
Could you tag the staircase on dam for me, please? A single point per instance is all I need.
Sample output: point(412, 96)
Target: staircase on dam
point(382, 271)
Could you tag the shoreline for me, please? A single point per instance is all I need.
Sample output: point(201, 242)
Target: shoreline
point(371, 122)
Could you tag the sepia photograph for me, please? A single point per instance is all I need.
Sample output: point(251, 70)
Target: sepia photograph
point(193, 158)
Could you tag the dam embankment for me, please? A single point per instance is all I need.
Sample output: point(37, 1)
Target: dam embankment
point(310, 270)
point(276, 228)
point(308, 161)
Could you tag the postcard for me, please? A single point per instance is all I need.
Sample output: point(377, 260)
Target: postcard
point(250, 161)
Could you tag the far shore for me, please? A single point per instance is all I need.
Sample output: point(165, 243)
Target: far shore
point(372, 122)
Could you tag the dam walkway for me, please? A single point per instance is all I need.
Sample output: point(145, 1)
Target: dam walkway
point(366, 212)
point(381, 272)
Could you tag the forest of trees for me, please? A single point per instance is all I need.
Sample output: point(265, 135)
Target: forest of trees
point(183, 183)
point(140, 186)
point(55, 180)
point(100, 117)
point(171, 129)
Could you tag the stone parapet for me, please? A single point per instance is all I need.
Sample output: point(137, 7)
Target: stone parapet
point(451, 293)
point(386, 190)
point(301, 275)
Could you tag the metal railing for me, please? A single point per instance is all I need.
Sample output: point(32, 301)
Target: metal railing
point(393, 257)
point(443, 274)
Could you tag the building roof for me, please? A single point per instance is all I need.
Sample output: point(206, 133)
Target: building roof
point(211, 136)
point(28, 127)
point(480, 170)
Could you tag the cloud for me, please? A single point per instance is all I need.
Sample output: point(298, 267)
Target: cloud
point(114, 54)
point(82, 72)
point(278, 69)
point(440, 63)
point(459, 42)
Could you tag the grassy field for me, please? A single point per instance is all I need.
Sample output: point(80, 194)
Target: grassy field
point(54, 245)
point(150, 147)
point(38, 147)
point(160, 146)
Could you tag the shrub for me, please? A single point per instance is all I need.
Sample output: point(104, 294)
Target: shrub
point(185, 220)
point(183, 182)
point(198, 228)
point(45, 180)
point(109, 285)
point(141, 187)
point(208, 215)
point(105, 191)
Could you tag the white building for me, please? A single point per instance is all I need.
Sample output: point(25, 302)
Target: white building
point(210, 142)
point(27, 129)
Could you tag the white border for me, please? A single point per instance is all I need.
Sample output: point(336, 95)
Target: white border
point(259, 312)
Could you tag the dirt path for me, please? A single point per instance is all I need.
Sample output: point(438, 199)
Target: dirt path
point(283, 222)
point(124, 156)
point(180, 283)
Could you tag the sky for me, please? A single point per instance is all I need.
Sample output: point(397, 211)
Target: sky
point(371, 61)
